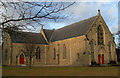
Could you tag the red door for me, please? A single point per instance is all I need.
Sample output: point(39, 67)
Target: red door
point(99, 59)
point(21, 59)
point(102, 59)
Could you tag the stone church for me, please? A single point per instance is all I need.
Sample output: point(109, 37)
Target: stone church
point(80, 44)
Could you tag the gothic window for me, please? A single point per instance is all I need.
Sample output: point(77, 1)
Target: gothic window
point(6, 52)
point(92, 51)
point(109, 50)
point(64, 51)
point(38, 53)
point(16, 60)
point(21, 56)
point(100, 35)
point(78, 56)
point(54, 54)
point(58, 48)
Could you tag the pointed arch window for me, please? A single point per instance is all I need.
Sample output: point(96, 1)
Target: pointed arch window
point(64, 51)
point(6, 52)
point(58, 48)
point(78, 56)
point(92, 51)
point(100, 35)
point(110, 50)
point(54, 54)
point(21, 56)
point(38, 53)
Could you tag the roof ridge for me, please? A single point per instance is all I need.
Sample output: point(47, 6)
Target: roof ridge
point(77, 22)
point(48, 29)
point(73, 30)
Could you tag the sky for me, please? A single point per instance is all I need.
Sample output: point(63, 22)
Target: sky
point(83, 10)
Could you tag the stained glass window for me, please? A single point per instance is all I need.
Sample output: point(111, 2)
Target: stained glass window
point(100, 35)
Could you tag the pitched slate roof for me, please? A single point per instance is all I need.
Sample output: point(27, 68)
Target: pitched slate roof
point(23, 37)
point(73, 30)
point(48, 33)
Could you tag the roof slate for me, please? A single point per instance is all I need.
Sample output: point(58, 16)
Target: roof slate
point(73, 30)
point(22, 37)
point(48, 33)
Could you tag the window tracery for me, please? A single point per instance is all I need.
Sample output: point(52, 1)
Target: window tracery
point(100, 35)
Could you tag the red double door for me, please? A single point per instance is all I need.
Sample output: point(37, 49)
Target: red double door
point(101, 59)
point(21, 59)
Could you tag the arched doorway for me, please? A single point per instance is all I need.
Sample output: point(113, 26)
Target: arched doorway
point(101, 56)
point(99, 61)
point(21, 59)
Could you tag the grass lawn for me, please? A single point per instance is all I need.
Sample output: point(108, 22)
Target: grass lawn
point(59, 71)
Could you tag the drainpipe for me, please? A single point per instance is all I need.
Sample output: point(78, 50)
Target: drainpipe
point(70, 53)
point(45, 54)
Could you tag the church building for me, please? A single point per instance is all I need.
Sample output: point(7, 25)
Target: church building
point(80, 44)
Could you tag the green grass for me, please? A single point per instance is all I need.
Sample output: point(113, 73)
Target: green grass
point(59, 71)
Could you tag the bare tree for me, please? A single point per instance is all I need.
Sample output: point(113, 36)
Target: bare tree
point(30, 47)
point(25, 15)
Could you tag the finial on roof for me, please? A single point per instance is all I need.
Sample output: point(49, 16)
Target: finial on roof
point(98, 11)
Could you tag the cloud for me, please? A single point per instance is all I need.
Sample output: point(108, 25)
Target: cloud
point(83, 10)
point(114, 29)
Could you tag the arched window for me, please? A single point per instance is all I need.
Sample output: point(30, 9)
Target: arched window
point(78, 56)
point(58, 48)
point(21, 56)
point(64, 51)
point(38, 53)
point(54, 54)
point(6, 52)
point(92, 51)
point(100, 35)
point(109, 50)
